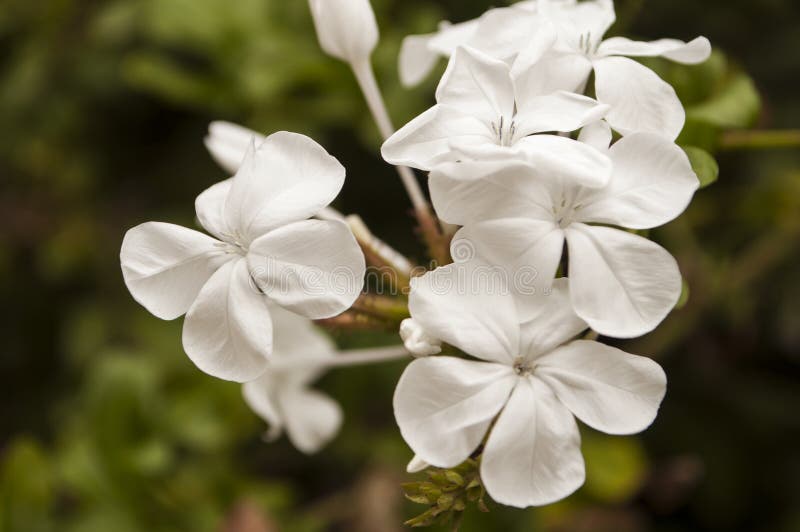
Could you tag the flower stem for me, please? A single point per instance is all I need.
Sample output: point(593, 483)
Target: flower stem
point(427, 222)
point(356, 357)
point(760, 139)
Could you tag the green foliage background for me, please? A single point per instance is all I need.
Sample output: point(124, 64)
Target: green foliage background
point(105, 424)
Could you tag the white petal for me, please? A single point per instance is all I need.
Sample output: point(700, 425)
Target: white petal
point(417, 340)
point(451, 36)
point(561, 157)
point(166, 265)
point(450, 303)
point(506, 32)
point(553, 72)
point(469, 192)
point(529, 251)
point(597, 135)
point(478, 84)
point(312, 418)
point(444, 406)
point(417, 59)
point(425, 141)
point(652, 184)
point(417, 465)
point(228, 331)
point(346, 29)
point(559, 111)
point(578, 20)
point(694, 52)
point(639, 99)
point(260, 397)
point(314, 268)
point(228, 143)
point(210, 208)
point(604, 387)
point(548, 320)
point(287, 178)
point(297, 339)
point(533, 455)
point(623, 285)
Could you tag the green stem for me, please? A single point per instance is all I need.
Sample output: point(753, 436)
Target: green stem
point(760, 139)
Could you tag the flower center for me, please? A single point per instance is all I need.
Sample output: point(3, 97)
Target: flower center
point(234, 244)
point(564, 211)
point(586, 45)
point(523, 367)
point(504, 131)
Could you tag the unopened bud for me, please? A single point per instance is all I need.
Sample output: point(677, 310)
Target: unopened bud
point(418, 342)
point(346, 28)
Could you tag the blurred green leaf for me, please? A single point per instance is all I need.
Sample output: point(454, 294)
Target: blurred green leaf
point(615, 466)
point(736, 105)
point(703, 164)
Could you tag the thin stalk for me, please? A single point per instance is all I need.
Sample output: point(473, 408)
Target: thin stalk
point(427, 222)
point(760, 139)
point(356, 357)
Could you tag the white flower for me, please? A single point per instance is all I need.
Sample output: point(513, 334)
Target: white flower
point(528, 383)
point(623, 285)
point(417, 340)
point(639, 99)
point(484, 112)
point(265, 249)
point(346, 29)
point(281, 396)
point(228, 143)
point(419, 53)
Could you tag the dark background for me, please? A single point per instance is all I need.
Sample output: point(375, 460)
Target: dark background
point(106, 425)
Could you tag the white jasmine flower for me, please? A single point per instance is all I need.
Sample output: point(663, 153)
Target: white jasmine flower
point(281, 395)
point(346, 29)
point(484, 112)
point(265, 250)
point(529, 382)
point(417, 341)
point(623, 285)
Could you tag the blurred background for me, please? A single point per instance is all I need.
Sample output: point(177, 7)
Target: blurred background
point(105, 425)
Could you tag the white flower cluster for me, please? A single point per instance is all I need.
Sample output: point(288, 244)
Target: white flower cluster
point(527, 165)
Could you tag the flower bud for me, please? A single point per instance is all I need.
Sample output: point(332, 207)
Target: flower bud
point(346, 28)
point(418, 342)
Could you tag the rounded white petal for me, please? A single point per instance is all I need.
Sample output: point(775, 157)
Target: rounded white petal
point(426, 140)
point(312, 419)
point(652, 184)
point(560, 111)
point(477, 84)
point(578, 21)
point(639, 99)
point(260, 396)
point(533, 455)
point(505, 32)
point(623, 285)
point(608, 389)
point(528, 250)
point(561, 157)
point(346, 29)
point(464, 193)
point(228, 330)
point(444, 406)
point(551, 73)
point(417, 59)
point(450, 303)
point(228, 143)
point(287, 178)
point(598, 135)
point(210, 208)
point(548, 320)
point(417, 340)
point(691, 53)
point(165, 266)
point(314, 268)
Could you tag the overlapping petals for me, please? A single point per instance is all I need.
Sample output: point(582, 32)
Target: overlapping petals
point(445, 406)
point(264, 250)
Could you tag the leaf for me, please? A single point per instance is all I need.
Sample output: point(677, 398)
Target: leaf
point(703, 164)
point(736, 105)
